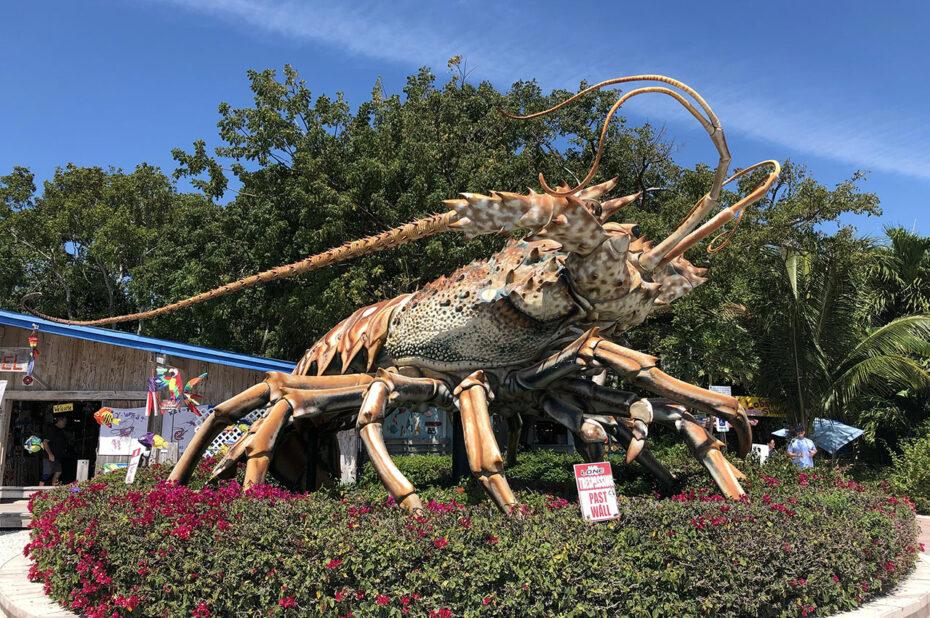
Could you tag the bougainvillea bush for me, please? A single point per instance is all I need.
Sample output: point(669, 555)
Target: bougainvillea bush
point(798, 544)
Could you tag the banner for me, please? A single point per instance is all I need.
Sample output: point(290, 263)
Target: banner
point(177, 425)
point(15, 359)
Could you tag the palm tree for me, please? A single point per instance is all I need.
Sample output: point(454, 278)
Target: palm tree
point(822, 355)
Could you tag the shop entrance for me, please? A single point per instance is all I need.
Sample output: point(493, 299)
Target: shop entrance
point(33, 418)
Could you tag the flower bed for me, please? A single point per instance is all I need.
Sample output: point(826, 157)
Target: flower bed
point(799, 544)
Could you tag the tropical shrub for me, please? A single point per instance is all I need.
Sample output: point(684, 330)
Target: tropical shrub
point(797, 544)
point(911, 470)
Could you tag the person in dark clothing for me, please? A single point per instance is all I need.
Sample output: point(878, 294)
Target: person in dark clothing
point(53, 450)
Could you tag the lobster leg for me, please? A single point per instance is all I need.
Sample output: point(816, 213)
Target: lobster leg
point(640, 369)
point(234, 408)
point(387, 387)
point(258, 444)
point(588, 392)
point(484, 456)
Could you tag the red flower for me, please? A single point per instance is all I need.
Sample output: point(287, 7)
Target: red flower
point(383, 600)
point(486, 601)
point(201, 611)
point(339, 596)
point(440, 543)
point(333, 564)
point(492, 540)
point(287, 602)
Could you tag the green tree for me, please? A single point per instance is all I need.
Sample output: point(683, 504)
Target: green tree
point(822, 357)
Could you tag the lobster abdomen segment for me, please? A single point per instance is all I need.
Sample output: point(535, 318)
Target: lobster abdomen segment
point(366, 329)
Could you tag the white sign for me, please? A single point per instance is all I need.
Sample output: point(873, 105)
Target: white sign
point(134, 464)
point(596, 493)
point(721, 426)
point(115, 445)
point(723, 390)
point(761, 451)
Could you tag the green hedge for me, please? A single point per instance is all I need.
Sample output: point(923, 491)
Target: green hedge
point(800, 544)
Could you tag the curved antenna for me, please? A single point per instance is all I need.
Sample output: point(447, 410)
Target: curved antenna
point(648, 261)
point(421, 228)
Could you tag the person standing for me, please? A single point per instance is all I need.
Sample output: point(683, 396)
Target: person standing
point(54, 443)
point(802, 449)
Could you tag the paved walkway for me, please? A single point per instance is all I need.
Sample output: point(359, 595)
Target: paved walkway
point(21, 598)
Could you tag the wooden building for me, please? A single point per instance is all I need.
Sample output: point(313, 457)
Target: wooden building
point(80, 369)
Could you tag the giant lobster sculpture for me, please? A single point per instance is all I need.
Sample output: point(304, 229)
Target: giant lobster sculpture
point(522, 331)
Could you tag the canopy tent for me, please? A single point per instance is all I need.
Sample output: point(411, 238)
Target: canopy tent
point(831, 435)
point(827, 434)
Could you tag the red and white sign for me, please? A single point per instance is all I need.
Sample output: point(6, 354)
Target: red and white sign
point(133, 464)
point(596, 493)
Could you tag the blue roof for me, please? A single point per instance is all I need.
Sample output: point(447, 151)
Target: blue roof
point(150, 344)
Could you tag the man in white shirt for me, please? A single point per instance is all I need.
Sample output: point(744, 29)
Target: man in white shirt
point(802, 449)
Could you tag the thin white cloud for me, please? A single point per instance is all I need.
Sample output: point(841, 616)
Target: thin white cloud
point(416, 35)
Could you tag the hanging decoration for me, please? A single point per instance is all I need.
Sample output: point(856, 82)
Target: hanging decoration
point(33, 444)
point(192, 399)
point(104, 416)
point(34, 354)
point(151, 400)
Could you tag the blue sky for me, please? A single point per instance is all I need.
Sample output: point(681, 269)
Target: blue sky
point(836, 86)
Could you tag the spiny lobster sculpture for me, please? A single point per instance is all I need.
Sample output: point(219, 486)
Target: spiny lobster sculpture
point(522, 331)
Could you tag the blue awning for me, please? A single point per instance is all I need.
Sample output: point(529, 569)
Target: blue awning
point(150, 344)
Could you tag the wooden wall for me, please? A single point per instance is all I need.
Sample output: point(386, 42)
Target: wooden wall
point(96, 369)
point(68, 364)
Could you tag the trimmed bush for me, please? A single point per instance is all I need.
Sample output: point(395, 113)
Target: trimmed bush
point(798, 544)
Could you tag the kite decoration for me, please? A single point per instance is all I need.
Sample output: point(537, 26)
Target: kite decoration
point(104, 416)
point(34, 344)
point(151, 400)
point(33, 444)
point(191, 399)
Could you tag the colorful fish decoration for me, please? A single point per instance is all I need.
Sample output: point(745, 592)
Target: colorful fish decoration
point(152, 440)
point(33, 444)
point(104, 416)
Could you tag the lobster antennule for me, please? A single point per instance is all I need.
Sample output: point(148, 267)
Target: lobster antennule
point(727, 214)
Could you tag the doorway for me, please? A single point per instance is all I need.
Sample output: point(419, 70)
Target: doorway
point(32, 418)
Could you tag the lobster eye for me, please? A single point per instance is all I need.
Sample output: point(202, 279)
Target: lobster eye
point(636, 232)
point(594, 207)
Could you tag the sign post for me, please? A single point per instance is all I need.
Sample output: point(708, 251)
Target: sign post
point(596, 493)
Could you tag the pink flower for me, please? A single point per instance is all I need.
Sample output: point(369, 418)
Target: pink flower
point(339, 596)
point(287, 602)
point(201, 610)
point(333, 564)
point(835, 578)
point(382, 599)
point(440, 543)
point(492, 540)
point(486, 601)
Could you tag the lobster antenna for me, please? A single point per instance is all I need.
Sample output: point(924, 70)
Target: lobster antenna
point(710, 122)
point(395, 237)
